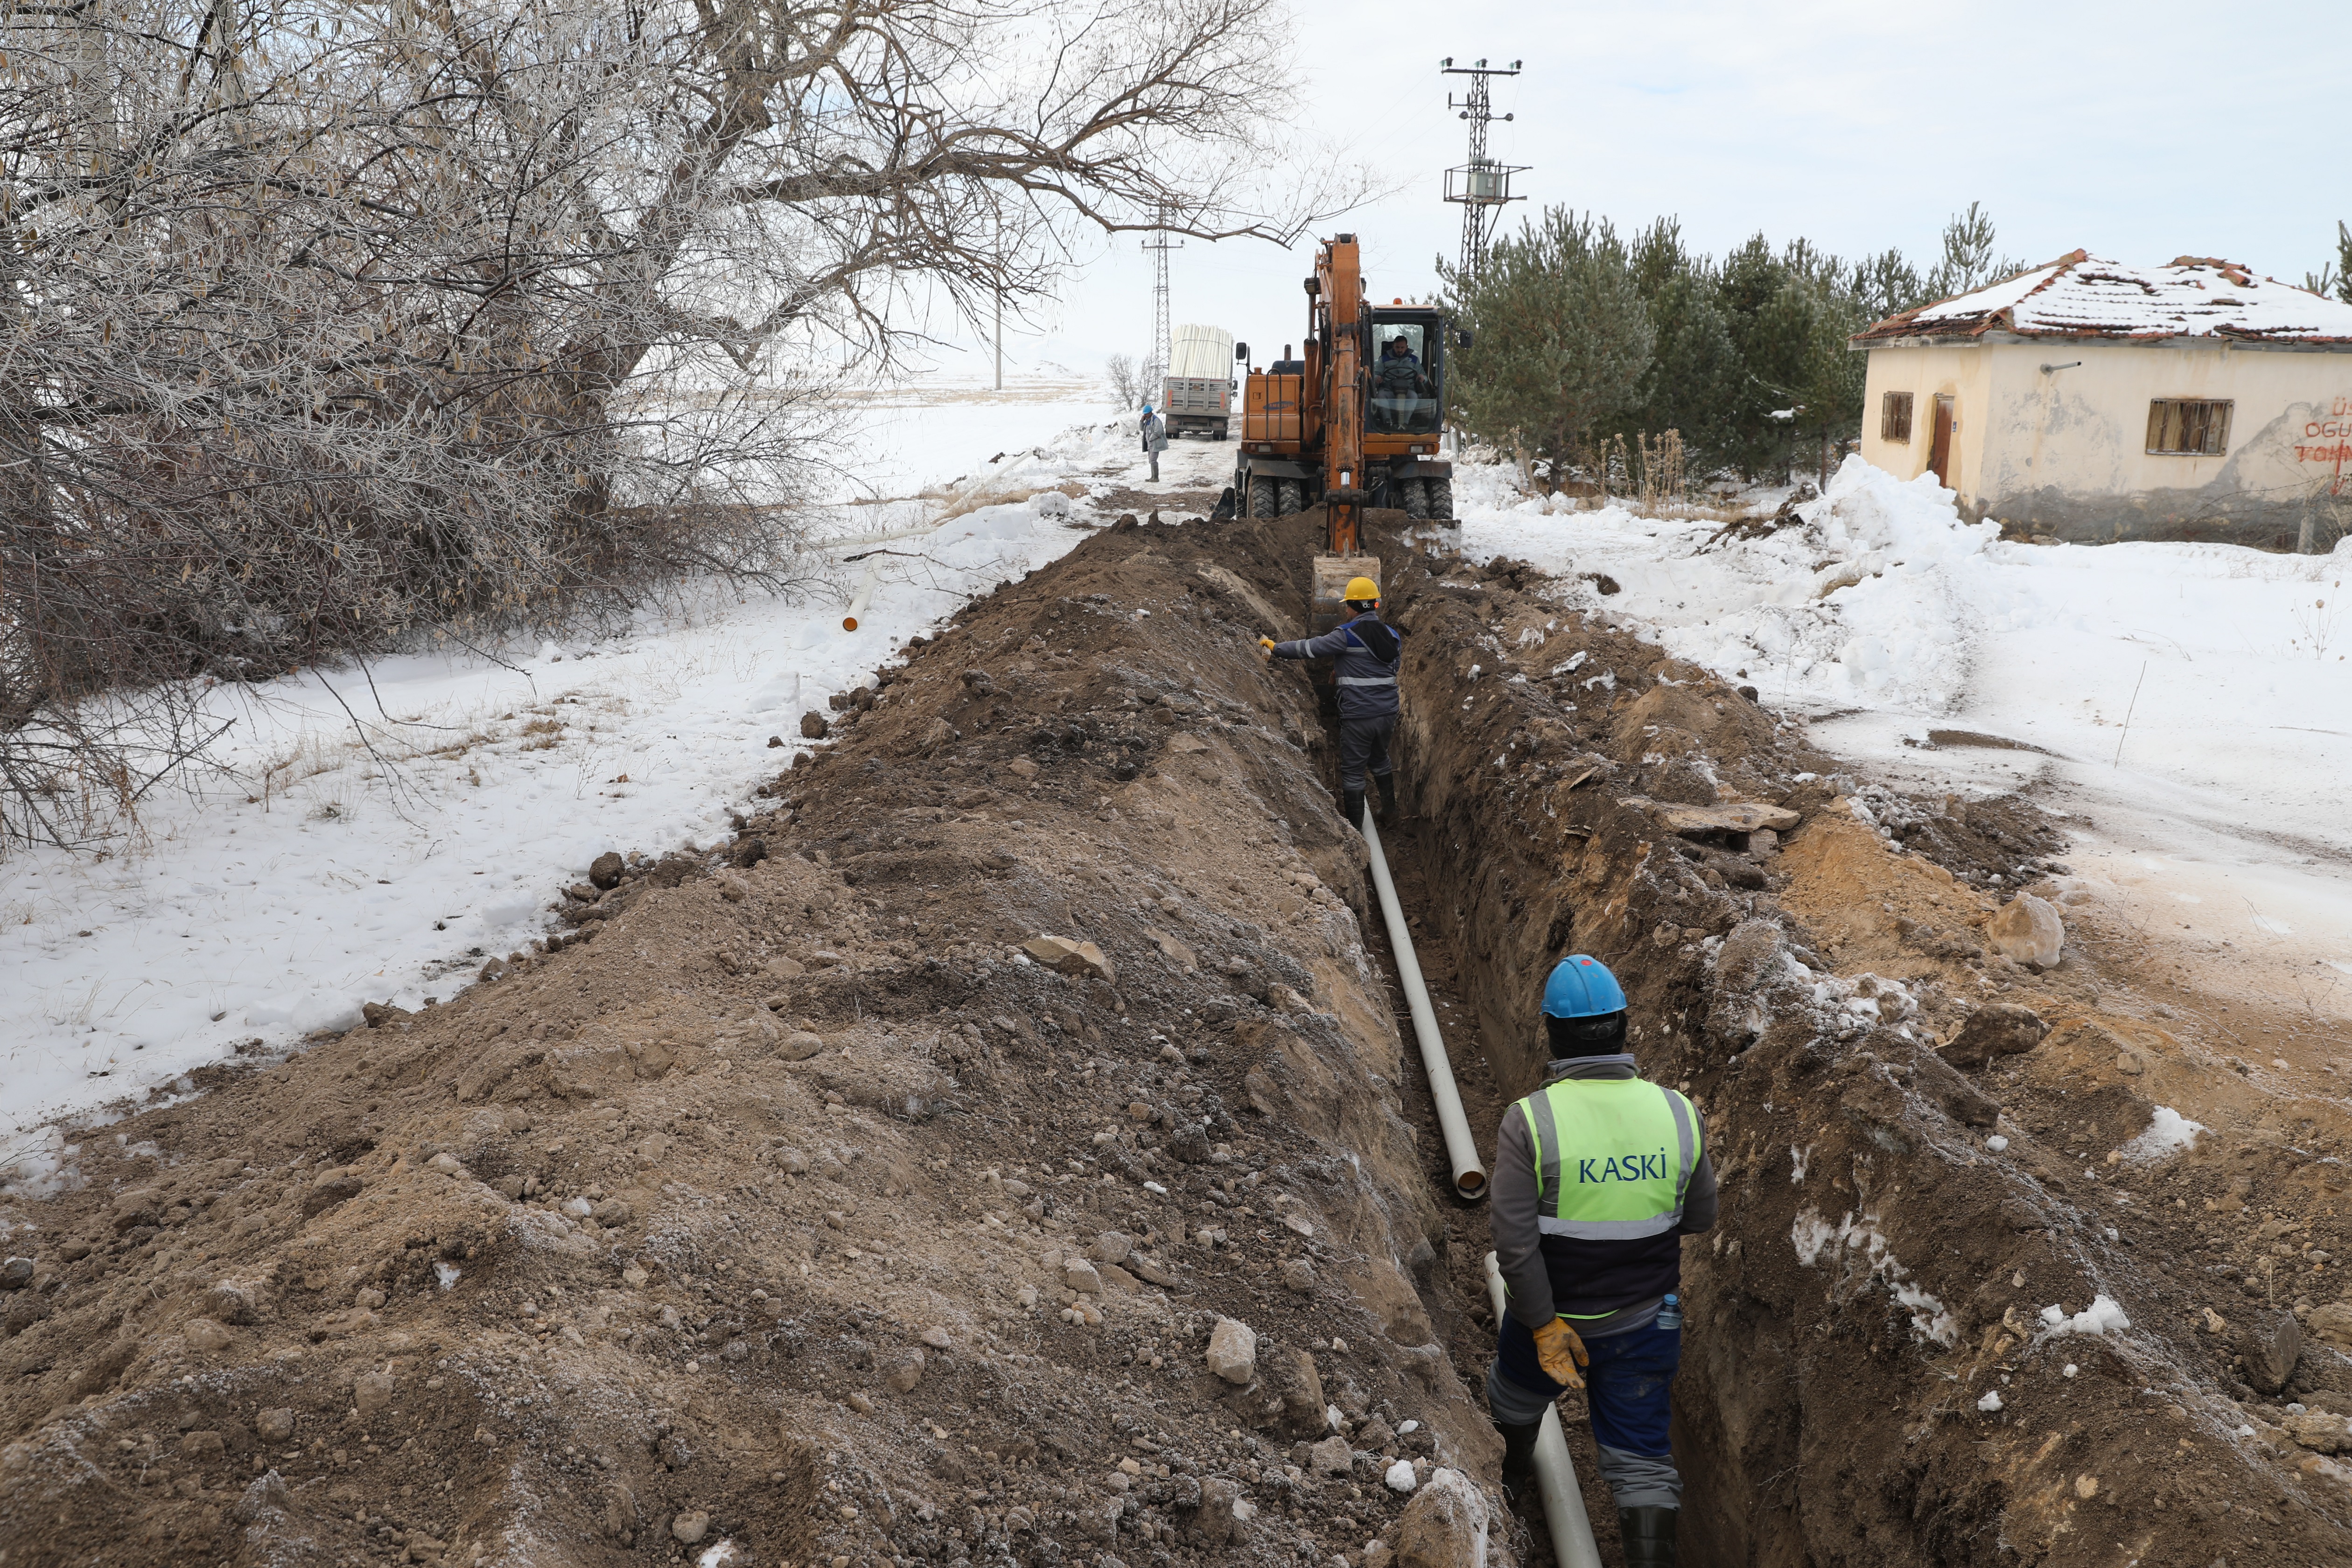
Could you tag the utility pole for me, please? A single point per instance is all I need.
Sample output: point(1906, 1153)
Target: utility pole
point(1155, 367)
point(999, 335)
point(1483, 185)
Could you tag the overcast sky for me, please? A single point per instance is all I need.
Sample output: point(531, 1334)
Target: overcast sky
point(2139, 132)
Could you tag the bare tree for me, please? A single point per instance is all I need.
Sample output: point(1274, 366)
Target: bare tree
point(1126, 379)
point(323, 324)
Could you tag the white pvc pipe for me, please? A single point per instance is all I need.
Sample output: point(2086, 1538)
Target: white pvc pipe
point(1461, 1149)
point(1563, 1499)
point(896, 534)
point(865, 597)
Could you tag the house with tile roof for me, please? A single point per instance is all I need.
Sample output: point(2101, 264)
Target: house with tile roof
point(2088, 400)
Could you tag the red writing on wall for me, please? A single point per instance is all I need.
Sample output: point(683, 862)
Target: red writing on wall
point(2329, 440)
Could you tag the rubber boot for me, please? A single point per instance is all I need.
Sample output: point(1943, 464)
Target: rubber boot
point(1519, 1460)
point(1649, 1536)
point(1351, 806)
point(1388, 795)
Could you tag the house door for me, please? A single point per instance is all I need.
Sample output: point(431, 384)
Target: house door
point(1939, 451)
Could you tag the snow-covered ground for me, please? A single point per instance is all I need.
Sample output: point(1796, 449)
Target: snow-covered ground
point(2186, 708)
point(377, 833)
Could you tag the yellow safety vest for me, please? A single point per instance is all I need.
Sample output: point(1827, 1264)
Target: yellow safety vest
point(1613, 1157)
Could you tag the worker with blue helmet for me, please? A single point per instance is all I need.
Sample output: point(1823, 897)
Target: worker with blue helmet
point(1599, 1175)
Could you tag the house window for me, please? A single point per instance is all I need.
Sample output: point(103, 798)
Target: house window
point(2188, 426)
point(1894, 418)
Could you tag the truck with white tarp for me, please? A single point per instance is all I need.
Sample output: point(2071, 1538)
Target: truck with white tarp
point(1197, 397)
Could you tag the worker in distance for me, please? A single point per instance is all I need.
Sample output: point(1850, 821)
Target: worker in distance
point(1599, 1176)
point(1368, 651)
point(1155, 438)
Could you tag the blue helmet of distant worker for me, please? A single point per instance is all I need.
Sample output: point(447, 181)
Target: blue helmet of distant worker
point(1584, 1008)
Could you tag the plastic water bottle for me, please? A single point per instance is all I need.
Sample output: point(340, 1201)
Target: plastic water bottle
point(1670, 1312)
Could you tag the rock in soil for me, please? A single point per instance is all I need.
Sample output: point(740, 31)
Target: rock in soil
point(1445, 1525)
point(2028, 930)
point(2271, 1343)
point(1233, 1351)
point(1995, 1029)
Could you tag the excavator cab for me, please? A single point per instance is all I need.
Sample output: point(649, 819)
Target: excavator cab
point(1408, 371)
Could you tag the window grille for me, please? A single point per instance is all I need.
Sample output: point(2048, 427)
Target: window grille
point(2188, 426)
point(1894, 417)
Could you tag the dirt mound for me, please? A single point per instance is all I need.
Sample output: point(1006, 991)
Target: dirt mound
point(874, 1188)
point(802, 1197)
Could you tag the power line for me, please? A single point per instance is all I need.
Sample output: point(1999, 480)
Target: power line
point(1483, 185)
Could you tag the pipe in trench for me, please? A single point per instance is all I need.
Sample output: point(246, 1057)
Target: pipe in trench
point(1461, 1149)
point(1563, 1499)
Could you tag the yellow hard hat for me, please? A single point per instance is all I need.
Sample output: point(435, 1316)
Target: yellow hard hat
point(1362, 589)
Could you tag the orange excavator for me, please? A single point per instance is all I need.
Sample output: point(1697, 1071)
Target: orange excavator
point(1354, 421)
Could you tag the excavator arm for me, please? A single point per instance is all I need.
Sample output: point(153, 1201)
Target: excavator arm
point(1339, 307)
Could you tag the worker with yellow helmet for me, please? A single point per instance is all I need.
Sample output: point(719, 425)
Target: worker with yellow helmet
point(1367, 652)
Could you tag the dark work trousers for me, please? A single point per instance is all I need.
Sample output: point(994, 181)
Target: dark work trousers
point(1364, 743)
point(1628, 1387)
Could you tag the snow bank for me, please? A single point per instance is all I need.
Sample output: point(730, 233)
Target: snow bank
point(329, 865)
point(2193, 700)
point(1869, 597)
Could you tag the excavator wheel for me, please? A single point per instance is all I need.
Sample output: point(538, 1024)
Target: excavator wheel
point(1262, 498)
point(1416, 500)
point(1292, 498)
point(1440, 500)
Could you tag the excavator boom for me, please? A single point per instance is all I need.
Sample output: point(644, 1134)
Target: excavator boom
point(1339, 271)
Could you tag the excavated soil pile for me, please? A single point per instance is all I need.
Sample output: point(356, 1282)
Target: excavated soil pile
point(993, 1154)
point(1002, 1152)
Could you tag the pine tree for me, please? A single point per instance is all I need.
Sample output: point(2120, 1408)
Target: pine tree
point(1696, 377)
point(1561, 337)
point(2337, 277)
point(1968, 263)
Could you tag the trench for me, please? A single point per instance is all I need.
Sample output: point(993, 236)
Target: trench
point(1861, 1378)
point(1454, 1289)
point(1029, 774)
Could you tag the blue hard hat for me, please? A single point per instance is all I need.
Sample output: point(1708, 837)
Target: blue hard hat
point(1582, 987)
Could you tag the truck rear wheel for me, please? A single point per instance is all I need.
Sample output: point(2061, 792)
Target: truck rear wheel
point(1262, 498)
point(1416, 500)
point(1292, 499)
point(1218, 432)
point(1440, 500)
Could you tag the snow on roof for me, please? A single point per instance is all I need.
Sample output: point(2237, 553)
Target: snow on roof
point(1994, 297)
point(2081, 296)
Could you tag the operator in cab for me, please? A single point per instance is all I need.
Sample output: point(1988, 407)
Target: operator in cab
point(1368, 651)
point(1599, 1176)
point(1396, 381)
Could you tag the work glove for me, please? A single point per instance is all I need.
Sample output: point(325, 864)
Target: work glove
point(1265, 647)
point(1560, 1352)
